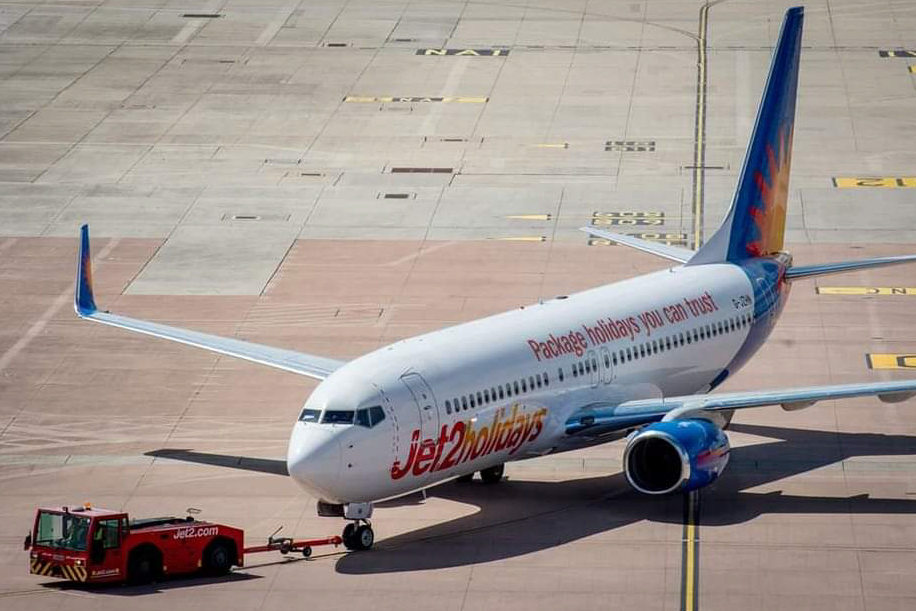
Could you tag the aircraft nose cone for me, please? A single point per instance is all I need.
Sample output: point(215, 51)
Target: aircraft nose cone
point(314, 459)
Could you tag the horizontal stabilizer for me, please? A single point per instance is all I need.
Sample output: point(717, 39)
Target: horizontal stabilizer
point(672, 253)
point(296, 362)
point(797, 272)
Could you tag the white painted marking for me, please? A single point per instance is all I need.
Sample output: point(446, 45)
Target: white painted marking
point(274, 26)
point(414, 255)
point(39, 325)
point(448, 90)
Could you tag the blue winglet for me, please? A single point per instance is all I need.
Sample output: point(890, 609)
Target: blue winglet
point(83, 301)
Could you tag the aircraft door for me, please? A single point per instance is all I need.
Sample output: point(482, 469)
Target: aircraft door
point(594, 365)
point(426, 404)
point(607, 366)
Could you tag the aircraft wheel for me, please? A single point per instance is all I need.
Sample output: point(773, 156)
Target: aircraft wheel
point(349, 536)
point(365, 537)
point(493, 475)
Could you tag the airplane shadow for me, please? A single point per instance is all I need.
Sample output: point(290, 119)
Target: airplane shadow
point(520, 517)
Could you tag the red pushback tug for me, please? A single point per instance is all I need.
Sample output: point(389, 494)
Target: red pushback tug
point(97, 545)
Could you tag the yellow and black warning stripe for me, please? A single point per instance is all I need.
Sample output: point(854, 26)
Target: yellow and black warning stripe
point(51, 569)
point(865, 290)
point(890, 361)
point(870, 182)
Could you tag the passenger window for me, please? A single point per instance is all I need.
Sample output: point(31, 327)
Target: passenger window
point(448, 406)
point(362, 418)
point(614, 358)
point(668, 342)
point(472, 402)
point(581, 369)
point(629, 355)
point(546, 379)
point(574, 371)
point(537, 379)
point(524, 386)
point(515, 386)
point(378, 414)
point(607, 361)
point(464, 403)
point(501, 393)
point(479, 398)
point(588, 368)
point(594, 365)
point(486, 396)
point(642, 350)
point(560, 373)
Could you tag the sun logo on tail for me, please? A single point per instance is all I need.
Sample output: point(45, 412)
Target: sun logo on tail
point(769, 214)
point(87, 270)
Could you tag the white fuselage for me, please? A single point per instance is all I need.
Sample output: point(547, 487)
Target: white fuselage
point(501, 388)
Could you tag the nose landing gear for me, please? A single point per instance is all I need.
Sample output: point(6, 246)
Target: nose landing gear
point(358, 535)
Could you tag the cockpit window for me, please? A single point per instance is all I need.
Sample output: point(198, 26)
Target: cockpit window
point(370, 416)
point(377, 413)
point(362, 418)
point(309, 415)
point(338, 417)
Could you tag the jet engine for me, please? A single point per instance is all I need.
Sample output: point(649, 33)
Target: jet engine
point(677, 455)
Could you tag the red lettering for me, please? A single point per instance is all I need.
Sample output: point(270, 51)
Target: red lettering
point(535, 347)
point(424, 457)
point(397, 472)
point(450, 459)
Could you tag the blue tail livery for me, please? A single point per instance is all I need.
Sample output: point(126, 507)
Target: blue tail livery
point(755, 225)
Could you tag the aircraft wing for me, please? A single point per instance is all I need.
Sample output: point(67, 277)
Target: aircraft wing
point(596, 419)
point(289, 360)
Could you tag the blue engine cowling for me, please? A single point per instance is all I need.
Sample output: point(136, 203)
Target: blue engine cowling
point(677, 455)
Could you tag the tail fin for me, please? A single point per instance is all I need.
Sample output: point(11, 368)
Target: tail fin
point(756, 221)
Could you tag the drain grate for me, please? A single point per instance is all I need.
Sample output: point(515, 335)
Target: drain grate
point(256, 217)
point(396, 196)
point(422, 170)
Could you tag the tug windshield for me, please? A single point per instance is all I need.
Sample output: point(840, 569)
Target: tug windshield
point(62, 531)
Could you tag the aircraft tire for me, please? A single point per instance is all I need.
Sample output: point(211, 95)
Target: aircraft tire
point(493, 475)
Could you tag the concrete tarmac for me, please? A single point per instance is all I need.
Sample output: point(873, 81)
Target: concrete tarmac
point(332, 177)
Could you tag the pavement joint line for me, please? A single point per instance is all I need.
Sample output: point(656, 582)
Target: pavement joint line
point(61, 300)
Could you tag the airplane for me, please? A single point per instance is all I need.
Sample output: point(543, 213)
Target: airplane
point(635, 359)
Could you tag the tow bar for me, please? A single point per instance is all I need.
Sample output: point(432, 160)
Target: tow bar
point(285, 545)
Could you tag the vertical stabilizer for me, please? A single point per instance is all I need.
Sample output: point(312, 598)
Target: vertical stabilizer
point(756, 222)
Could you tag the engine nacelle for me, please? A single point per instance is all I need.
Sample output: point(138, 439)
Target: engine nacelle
point(675, 455)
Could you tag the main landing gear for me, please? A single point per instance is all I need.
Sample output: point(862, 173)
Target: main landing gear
point(490, 475)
